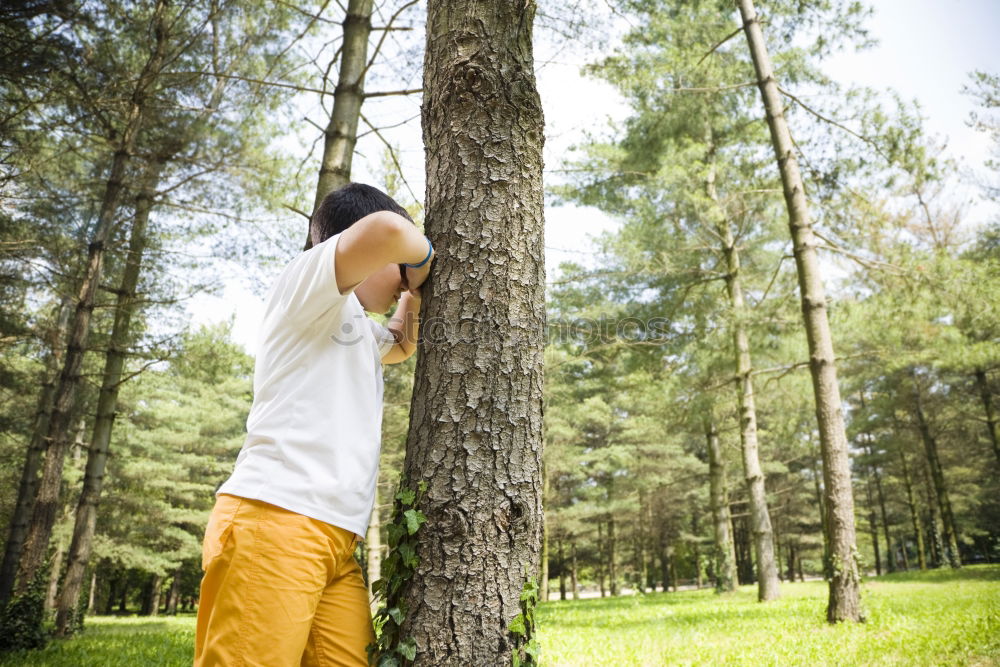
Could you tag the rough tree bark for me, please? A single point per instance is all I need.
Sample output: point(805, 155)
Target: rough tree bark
point(724, 553)
point(845, 584)
point(28, 488)
point(937, 475)
point(476, 415)
point(43, 517)
point(107, 403)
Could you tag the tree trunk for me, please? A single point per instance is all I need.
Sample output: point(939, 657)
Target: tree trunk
point(55, 569)
point(672, 556)
point(562, 572)
point(845, 585)
point(760, 518)
point(991, 420)
point(373, 541)
point(872, 524)
point(911, 502)
point(612, 558)
point(662, 549)
point(43, 516)
point(890, 557)
point(92, 593)
point(151, 600)
point(937, 475)
point(28, 487)
point(572, 572)
point(827, 557)
point(695, 552)
point(107, 404)
point(476, 415)
point(175, 593)
point(600, 558)
point(341, 133)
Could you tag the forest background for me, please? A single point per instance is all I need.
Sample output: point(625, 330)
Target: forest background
point(209, 150)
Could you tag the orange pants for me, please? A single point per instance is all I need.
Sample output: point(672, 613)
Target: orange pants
point(279, 589)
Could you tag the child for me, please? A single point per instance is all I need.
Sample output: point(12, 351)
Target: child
point(281, 585)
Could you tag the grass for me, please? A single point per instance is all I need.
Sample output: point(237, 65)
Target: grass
point(942, 617)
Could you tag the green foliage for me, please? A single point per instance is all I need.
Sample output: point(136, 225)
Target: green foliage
point(23, 620)
point(523, 629)
point(390, 648)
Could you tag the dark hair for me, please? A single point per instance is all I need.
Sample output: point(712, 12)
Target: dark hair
point(343, 207)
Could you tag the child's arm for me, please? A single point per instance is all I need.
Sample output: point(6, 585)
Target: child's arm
point(374, 241)
point(404, 326)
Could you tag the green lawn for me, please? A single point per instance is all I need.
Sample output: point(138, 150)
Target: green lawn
point(932, 618)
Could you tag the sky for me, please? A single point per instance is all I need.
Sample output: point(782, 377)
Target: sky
point(926, 50)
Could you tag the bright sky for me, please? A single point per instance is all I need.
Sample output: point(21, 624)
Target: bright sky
point(927, 48)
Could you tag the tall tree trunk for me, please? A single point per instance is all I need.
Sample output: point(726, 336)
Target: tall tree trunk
point(937, 474)
point(612, 558)
point(890, 557)
point(43, 517)
point(55, 569)
point(827, 556)
point(872, 523)
point(911, 502)
point(107, 404)
point(28, 487)
point(845, 585)
point(723, 552)
point(574, 582)
point(175, 593)
point(341, 133)
point(92, 593)
point(600, 558)
point(476, 415)
point(562, 570)
point(937, 543)
point(696, 551)
point(991, 421)
point(373, 541)
point(763, 535)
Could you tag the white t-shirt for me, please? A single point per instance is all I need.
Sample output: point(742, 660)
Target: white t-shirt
point(314, 431)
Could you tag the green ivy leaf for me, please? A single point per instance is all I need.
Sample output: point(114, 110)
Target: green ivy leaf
point(396, 533)
point(408, 648)
point(409, 555)
point(413, 520)
point(396, 615)
point(406, 497)
point(534, 649)
point(517, 625)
